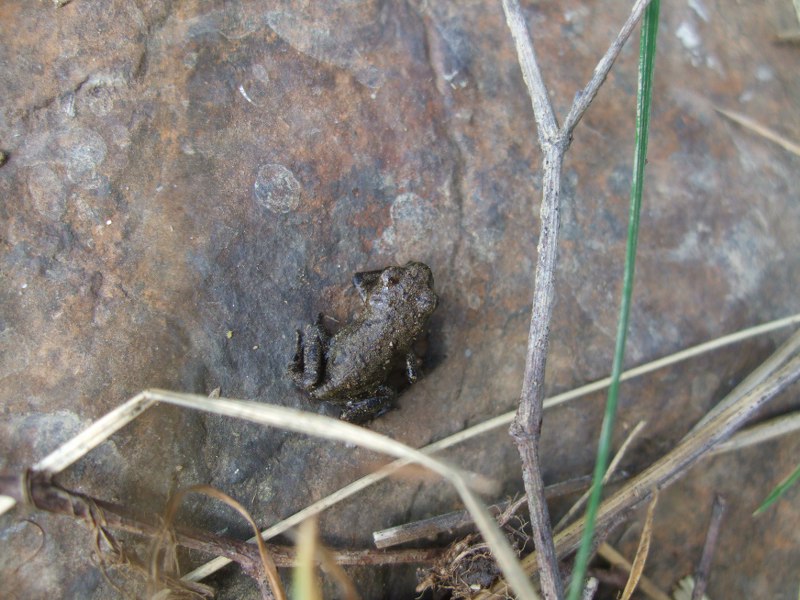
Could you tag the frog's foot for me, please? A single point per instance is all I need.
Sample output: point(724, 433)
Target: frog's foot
point(307, 366)
point(371, 407)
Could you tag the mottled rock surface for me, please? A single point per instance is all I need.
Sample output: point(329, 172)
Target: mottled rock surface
point(188, 182)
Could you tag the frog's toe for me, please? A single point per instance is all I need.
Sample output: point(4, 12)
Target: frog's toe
point(366, 409)
point(302, 369)
point(296, 364)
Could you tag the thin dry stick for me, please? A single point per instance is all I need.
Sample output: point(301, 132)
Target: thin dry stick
point(584, 98)
point(641, 552)
point(47, 496)
point(306, 580)
point(424, 528)
point(704, 568)
point(673, 465)
point(528, 423)
point(646, 586)
point(612, 467)
point(527, 426)
point(546, 124)
point(554, 143)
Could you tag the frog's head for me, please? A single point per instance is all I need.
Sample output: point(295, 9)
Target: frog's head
point(407, 288)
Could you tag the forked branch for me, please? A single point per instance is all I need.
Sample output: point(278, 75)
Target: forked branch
point(554, 143)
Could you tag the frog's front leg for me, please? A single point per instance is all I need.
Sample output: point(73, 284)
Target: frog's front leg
point(371, 407)
point(308, 364)
point(364, 281)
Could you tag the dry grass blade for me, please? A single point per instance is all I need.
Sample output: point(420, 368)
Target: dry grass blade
point(612, 467)
point(174, 503)
point(758, 128)
point(334, 569)
point(306, 582)
point(641, 552)
point(95, 434)
point(646, 586)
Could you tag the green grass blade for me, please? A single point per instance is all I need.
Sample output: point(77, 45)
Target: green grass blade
point(779, 491)
point(647, 50)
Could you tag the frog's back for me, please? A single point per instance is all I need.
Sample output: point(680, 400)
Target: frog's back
point(360, 358)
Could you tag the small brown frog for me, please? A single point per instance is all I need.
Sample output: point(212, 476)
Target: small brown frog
point(352, 367)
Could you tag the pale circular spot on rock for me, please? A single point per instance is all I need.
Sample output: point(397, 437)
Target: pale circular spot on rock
point(276, 188)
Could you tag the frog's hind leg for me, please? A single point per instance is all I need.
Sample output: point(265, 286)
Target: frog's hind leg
point(371, 407)
point(308, 364)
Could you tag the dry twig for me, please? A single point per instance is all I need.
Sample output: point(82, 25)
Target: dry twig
point(704, 568)
point(425, 528)
point(554, 143)
point(45, 495)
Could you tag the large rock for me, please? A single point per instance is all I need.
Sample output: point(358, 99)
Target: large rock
point(177, 172)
